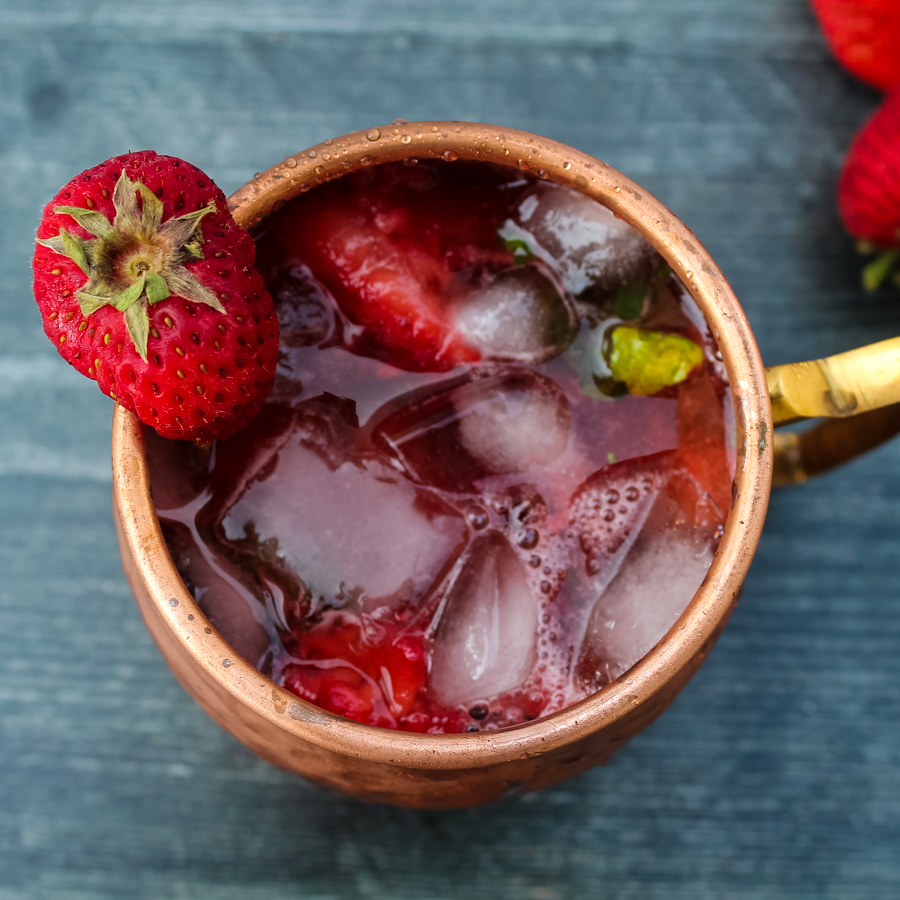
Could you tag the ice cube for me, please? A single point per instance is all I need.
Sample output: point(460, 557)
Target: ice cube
point(518, 315)
point(653, 587)
point(353, 529)
point(584, 240)
point(494, 422)
point(486, 639)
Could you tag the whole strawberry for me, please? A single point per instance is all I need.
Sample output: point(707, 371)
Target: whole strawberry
point(865, 36)
point(869, 191)
point(146, 284)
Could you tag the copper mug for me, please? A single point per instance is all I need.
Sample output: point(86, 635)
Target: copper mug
point(420, 770)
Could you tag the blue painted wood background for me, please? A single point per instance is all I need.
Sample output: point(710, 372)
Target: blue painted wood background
point(775, 775)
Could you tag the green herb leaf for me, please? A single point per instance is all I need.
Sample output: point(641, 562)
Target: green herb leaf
point(630, 300)
point(648, 361)
point(521, 252)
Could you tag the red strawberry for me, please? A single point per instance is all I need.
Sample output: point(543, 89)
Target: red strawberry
point(865, 37)
point(146, 284)
point(869, 190)
point(609, 509)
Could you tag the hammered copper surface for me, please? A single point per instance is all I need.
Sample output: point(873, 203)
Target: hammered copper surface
point(467, 769)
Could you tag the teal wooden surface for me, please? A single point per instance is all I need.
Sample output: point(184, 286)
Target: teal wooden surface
point(775, 775)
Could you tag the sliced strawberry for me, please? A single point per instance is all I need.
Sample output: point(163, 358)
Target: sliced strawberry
point(609, 509)
point(701, 481)
point(387, 250)
point(865, 37)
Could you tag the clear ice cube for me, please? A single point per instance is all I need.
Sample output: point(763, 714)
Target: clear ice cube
point(517, 315)
point(495, 422)
point(352, 530)
point(485, 641)
point(654, 585)
point(584, 240)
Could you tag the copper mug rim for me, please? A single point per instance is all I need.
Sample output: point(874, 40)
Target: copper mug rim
point(685, 645)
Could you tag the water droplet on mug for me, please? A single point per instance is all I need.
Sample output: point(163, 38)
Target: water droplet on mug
point(567, 165)
point(405, 139)
point(312, 154)
point(374, 134)
point(522, 164)
point(399, 122)
point(319, 170)
point(291, 163)
point(449, 155)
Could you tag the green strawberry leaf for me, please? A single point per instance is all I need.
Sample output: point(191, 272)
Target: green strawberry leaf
point(89, 219)
point(157, 289)
point(90, 303)
point(879, 269)
point(153, 209)
point(124, 300)
point(125, 201)
point(71, 246)
point(179, 231)
point(182, 283)
point(648, 361)
point(138, 324)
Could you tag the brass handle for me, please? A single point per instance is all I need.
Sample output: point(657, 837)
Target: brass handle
point(862, 383)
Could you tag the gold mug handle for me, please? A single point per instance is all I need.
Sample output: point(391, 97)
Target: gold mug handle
point(862, 385)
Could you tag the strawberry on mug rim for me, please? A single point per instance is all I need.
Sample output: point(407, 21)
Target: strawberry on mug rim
point(147, 285)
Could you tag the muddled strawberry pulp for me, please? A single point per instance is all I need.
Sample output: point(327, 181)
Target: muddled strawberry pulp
point(495, 466)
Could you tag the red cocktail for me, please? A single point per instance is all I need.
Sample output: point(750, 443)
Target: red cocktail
point(495, 465)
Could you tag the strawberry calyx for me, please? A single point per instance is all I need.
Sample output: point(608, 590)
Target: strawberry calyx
point(885, 265)
point(136, 259)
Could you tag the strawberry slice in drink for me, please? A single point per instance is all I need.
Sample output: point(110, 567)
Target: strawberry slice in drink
point(610, 508)
point(390, 252)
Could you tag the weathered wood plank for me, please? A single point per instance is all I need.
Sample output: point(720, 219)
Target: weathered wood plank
point(776, 775)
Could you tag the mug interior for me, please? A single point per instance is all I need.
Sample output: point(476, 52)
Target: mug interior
point(644, 690)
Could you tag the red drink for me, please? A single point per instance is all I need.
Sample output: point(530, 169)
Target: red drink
point(495, 466)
